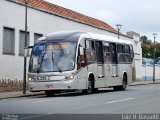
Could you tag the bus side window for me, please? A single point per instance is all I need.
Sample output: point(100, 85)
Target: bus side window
point(127, 49)
point(131, 52)
point(107, 53)
point(113, 52)
point(90, 51)
point(125, 57)
point(120, 48)
point(81, 55)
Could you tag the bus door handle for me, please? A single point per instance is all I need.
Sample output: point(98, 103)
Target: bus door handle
point(115, 75)
point(101, 76)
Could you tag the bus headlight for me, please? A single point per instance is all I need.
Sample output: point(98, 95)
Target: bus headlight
point(29, 78)
point(70, 77)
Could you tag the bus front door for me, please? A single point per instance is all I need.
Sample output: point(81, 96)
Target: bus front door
point(114, 60)
point(100, 60)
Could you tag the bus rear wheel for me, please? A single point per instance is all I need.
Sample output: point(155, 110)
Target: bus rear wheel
point(123, 86)
point(50, 93)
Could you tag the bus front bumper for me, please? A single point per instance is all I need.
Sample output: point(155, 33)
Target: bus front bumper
point(55, 85)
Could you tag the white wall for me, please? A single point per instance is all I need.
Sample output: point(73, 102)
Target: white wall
point(148, 72)
point(138, 59)
point(13, 16)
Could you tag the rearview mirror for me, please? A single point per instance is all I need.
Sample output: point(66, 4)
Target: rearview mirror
point(29, 47)
point(27, 51)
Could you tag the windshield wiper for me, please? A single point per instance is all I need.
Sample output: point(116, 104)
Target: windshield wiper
point(40, 63)
point(59, 69)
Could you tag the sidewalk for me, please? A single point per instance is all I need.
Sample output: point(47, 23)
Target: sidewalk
point(145, 82)
point(6, 95)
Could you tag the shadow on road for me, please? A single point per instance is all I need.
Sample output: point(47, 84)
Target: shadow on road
point(76, 93)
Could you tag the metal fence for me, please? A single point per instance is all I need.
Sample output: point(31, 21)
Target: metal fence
point(147, 69)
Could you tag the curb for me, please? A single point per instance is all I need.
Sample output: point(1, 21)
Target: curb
point(42, 93)
point(145, 83)
point(18, 96)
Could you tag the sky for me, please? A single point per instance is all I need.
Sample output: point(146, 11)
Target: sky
point(141, 16)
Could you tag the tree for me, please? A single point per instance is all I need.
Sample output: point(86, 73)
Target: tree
point(148, 48)
point(149, 42)
point(144, 39)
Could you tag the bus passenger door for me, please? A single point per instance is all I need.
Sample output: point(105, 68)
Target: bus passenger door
point(100, 59)
point(114, 60)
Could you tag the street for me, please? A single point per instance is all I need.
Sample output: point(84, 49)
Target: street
point(136, 99)
point(140, 99)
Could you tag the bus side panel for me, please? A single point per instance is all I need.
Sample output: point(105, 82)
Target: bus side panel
point(83, 74)
point(129, 72)
point(108, 75)
point(125, 68)
point(82, 77)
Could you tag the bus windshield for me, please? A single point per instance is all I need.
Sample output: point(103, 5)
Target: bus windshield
point(53, 57)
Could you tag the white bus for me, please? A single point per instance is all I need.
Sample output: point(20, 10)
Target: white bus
point(70, 61)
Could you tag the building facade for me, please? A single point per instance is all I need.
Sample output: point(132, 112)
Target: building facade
point(43, 18)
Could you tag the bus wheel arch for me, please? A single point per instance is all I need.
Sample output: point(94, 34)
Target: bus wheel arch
point(90, 85)
point(126, 78)
point(124, 83)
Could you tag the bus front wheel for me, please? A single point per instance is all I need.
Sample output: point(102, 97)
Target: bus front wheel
point(90, 88)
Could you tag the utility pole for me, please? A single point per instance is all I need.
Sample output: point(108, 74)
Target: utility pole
point(25, 47)
point(118, 28)
point(154, 35)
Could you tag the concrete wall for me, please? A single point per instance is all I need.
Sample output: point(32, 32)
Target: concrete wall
point(147, 72)
point(137, 75)
point(138, 60)
point(13, 16)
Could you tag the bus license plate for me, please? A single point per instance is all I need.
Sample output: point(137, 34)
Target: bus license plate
point(48, 86)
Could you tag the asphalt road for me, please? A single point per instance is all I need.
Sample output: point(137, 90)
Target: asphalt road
point(136, 99)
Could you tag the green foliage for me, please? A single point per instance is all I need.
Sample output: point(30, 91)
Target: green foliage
point(148, 48)
point(144, 39)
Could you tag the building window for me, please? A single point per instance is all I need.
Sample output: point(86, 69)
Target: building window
point(8, 41)
point(22, 42)
point(36, 36)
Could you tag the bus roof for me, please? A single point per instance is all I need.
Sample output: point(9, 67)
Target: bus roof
point(77, 34)
point(106, 38)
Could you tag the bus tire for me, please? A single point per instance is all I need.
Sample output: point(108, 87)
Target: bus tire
point(124, 83)
point(123, 86)
point(95, 90)
point(50, 93)
point(116, 88)
point(90, 88)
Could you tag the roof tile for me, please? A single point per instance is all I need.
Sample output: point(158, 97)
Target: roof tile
point(55, 9)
